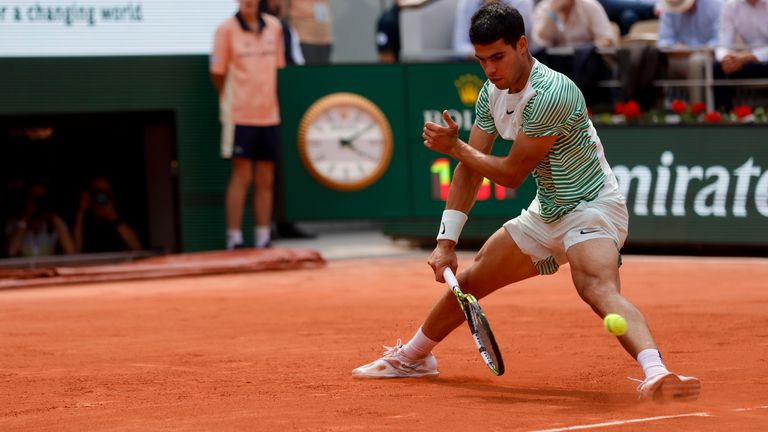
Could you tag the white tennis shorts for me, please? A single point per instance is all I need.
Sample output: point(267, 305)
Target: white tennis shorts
point(547, 243)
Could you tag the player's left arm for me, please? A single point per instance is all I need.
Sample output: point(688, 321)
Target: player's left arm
point(509, 170)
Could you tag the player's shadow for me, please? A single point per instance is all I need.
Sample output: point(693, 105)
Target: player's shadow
point(490, 392)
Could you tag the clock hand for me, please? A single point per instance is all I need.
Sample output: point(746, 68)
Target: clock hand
point(348, 141)
point(361, 153)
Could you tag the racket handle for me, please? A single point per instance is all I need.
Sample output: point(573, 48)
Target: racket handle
point(450, 279)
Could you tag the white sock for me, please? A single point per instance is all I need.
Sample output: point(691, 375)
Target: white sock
point(650, 361)
point(261, 235)
point(234, 238)
point(418, 347)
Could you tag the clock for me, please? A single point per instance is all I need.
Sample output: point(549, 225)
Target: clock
point(345, 141)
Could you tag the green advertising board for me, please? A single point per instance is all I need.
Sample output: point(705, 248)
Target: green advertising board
point(704, 184)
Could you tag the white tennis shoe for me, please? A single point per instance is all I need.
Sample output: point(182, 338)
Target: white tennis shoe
point(668, 387)
point(391, 365)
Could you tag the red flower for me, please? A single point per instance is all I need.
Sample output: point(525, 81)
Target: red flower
point(631, 109)
point(742, 111)
point(678, 106)
point(698, 108)
point(712, 117)
point(618, 108)
point(589, 112)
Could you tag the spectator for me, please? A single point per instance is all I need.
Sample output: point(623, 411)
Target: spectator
point(572, 23)
point(748, 21)
point(686, 29)
point(466, 8)
point(388, 35)
point(583, 26)
point(312, 20)
point(251, 73)
point(38, 230)
point(627, 12)
point(98, 225)
point(291, 41)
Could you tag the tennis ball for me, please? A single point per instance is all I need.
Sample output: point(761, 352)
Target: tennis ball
point(615, 324)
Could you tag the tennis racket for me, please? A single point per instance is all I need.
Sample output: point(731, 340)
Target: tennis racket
point(478, 325)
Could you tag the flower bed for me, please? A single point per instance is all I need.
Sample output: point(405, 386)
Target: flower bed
point(681, 113)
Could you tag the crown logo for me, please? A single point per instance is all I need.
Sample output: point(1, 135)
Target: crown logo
point(468, 86)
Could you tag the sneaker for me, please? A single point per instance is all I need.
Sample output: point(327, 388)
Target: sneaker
point(392, 366)
point(668, 387)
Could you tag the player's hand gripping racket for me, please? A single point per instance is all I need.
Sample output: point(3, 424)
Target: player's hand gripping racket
point(478, 325)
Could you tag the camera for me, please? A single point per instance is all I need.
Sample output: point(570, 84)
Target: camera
point(101, 197)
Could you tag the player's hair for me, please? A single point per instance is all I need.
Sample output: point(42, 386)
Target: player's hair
point(496, 20)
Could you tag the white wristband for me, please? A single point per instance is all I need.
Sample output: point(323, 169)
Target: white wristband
point(451, 225)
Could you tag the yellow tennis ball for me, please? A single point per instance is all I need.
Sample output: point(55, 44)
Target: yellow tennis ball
point(615, 324)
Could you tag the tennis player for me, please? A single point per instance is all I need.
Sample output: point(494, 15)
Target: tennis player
point(577, 216)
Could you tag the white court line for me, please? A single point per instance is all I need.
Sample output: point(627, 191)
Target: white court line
point(623, 422)
point(642, 420)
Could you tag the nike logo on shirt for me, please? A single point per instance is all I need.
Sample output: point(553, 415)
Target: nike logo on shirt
point(511, 112)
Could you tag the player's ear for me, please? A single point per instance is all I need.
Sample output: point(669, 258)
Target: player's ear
point(522, 45)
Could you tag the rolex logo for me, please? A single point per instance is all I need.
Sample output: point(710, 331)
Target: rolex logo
point(468, 86)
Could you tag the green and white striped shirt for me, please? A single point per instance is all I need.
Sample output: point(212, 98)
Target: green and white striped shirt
point(575, 168)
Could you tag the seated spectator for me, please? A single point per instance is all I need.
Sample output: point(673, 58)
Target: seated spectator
point(584, 26)
point(747, 20)
point(98, 225)
point(686, 29)
point(38, 230)
point(388, 35)
point(464, 11)
point(627, 12)
point(572, 23)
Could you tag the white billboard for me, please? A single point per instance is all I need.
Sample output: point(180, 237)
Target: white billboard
point(42, 28)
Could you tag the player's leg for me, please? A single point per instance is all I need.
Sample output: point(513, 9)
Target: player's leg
point(262, 201)
point(239, 181)
point(499, 262)
point(595, 273)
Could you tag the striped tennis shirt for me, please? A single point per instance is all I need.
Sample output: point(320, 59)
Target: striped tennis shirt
point(575, 169)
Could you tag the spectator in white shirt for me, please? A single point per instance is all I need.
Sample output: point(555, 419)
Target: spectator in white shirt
point(747, 19)
point(746, 58)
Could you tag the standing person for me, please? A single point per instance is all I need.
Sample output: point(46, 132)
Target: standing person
point(312, 19)
point(388, 34)
point(247, 53)
point(577, 216)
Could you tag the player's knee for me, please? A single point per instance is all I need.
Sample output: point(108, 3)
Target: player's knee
point(596, 291)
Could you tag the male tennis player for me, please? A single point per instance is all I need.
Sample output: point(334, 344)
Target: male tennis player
point(577, 216)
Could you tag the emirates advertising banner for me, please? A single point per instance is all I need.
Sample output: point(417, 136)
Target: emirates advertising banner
point(62, 28)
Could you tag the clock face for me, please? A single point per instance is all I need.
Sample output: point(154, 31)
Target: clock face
point(345, 141)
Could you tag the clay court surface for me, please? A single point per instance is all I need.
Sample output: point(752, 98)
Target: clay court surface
point(273, 351)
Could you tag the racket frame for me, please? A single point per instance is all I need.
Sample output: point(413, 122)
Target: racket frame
point(470, 307)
